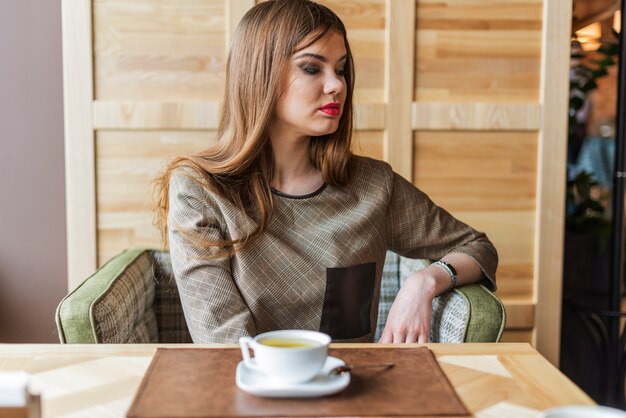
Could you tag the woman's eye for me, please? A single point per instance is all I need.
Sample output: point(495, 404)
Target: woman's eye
point(341, 72)
point(311, 70)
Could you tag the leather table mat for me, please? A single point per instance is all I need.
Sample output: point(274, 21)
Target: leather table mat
point(191, 382)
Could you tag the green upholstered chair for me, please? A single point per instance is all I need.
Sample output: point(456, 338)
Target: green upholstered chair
point(133, 299)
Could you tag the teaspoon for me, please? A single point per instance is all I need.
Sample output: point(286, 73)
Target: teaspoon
point(340, 370)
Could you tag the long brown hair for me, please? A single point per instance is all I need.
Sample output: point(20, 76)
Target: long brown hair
point(239, 167)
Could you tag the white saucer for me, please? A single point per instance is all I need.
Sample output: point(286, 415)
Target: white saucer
point(583, 412)
point(257, 383)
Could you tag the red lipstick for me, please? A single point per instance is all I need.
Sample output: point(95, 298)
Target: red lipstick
point(331, 109)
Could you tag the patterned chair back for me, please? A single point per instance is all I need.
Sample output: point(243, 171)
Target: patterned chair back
point(134, 299)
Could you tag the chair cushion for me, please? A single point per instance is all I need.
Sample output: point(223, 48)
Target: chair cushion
point(450, 318)
point(167, 307)
point(114, 305)
point(487, 317)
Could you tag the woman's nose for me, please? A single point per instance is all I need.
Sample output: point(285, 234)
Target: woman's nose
point(334, 84)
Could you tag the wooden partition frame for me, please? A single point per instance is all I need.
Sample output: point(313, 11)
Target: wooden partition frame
point(400, 116)
point(80, 178)
point(399, 85)
point(550, 214)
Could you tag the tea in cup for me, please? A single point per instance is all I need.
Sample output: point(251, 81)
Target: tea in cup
point(291, 356)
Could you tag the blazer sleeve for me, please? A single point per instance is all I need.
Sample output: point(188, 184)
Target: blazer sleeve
point(214, 308)
point(418, 228)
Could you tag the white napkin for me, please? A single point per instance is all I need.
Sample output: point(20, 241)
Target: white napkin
point(13, 389)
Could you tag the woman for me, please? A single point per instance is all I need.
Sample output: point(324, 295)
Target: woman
point(278, 225)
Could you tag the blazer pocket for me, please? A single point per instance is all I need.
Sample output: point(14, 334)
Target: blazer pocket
point(348, 301)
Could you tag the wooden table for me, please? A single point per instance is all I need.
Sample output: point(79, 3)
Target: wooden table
point(493, 380)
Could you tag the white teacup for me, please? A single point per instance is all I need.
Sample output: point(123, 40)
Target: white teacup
point(291, 356)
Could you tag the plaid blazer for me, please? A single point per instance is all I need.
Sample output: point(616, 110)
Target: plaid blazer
point(319, 263)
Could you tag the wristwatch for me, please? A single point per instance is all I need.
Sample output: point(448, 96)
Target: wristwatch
point(451, 271)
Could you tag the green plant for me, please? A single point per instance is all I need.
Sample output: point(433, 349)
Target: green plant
point(584, 213)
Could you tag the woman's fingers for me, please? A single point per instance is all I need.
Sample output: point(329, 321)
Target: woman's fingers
point(387, 336)
point(397, 332)
point(399, 338)
point(412, 337)
point(425, 333)
point(403, 335)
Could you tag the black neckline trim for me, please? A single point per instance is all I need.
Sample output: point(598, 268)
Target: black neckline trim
point(304, 196)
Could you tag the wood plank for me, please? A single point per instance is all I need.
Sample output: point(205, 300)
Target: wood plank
point(445, 168)
point(552, 170)
point(514, 279)
point(370, 116)
point(526, 12)
point(369, 143)
point(475, 194)
point(359, 14)
point(155, 115)
point(520, 313)
point(399, 80)
point(517, 336)
point(475, 116)
point(73, 352)
point(80, 182)
point(544, 387)
point(127, 163)
point(490, 80)
point(485, 44)
point(501, 226)
point(512, 233)
point(112, 242)
point(130, 115)
point(169, 50)
point(478, 51)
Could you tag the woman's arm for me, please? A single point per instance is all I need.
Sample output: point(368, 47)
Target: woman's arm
point(214, 308)
point(418, 228)
point(409, 318)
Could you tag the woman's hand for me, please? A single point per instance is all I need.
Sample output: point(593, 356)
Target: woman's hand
point(409, 317)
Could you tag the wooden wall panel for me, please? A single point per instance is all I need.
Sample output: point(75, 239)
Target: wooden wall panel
point(488, 179)
point(159, 50)
point(369, 143)
point(476, 116)
point(488, 171)
point(453, 93)
point(127, 163)
point(485, 51)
